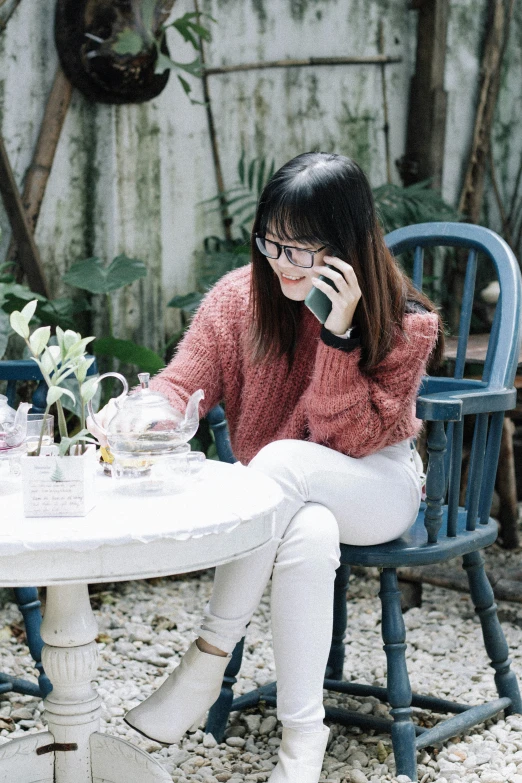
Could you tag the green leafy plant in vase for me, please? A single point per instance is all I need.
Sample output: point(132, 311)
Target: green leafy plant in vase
point(73, 494)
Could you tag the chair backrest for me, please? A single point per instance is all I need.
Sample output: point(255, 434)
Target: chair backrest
point(16, 370)
point(487, 398)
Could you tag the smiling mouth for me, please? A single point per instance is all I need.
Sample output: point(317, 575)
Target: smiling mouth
point(292, 279)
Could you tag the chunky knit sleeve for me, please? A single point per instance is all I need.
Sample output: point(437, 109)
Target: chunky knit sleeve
point(355, 413)
point(207, 351)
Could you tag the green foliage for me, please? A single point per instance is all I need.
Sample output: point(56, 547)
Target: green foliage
point(57, 363)
point(92, 276)
point(218, 257)
point(241, 200)
point(131, 42)
point(56, 312)
point(129, 353)
point(188, 26)
point(418, 203)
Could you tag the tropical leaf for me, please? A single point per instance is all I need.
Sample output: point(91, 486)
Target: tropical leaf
point(189, 27)
point(418, 203)
point(129, 353)
point(186, 302)
point(92, 276)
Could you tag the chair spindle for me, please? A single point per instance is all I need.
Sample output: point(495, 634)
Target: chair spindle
point(476, 469)
point(455, 474)
point(465, 313)
point(490, 466)
point(435, 482)
point(493, 339)
point(418, 267)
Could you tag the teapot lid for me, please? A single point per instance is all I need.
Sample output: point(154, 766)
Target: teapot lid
point(145, 396)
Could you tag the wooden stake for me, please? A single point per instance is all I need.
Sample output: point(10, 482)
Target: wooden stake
point(28, 255)
point(379, 59)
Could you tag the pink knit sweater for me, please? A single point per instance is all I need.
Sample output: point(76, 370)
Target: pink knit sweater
point(324, 398)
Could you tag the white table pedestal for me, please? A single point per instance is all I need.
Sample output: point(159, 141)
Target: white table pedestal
point(228, 513)
point(72, 749)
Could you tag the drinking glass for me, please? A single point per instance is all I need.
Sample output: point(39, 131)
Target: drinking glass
point(34, 428)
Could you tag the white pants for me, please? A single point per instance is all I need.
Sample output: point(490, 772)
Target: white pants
point(328, 498)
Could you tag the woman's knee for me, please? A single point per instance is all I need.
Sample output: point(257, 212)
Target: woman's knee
point(278, 456)
point(314, 533)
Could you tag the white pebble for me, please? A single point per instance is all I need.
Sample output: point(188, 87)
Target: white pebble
point(356, 776)
point(235, 742)
point(268, 725)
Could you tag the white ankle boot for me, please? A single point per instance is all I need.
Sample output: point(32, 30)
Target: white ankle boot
point(181, 702)
point(300, 756)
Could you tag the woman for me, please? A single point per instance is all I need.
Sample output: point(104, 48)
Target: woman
point(328, 412)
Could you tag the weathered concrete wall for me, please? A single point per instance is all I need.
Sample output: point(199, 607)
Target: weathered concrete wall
point(132, 178)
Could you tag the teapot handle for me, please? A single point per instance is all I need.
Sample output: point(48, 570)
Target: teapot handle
point(121, 397)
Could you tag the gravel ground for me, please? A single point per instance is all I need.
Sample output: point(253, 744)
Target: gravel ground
point(144, 626)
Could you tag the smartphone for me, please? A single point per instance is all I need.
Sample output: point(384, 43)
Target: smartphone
point(318, 302)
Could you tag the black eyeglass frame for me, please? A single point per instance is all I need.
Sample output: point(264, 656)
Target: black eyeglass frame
point(286, 248)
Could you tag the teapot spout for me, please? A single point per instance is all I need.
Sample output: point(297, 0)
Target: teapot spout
point(16, 435)
point(190, 423)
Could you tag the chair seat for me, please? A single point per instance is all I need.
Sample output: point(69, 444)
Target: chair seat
point(413, 548)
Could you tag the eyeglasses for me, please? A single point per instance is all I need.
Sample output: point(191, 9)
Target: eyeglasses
point(296, 255)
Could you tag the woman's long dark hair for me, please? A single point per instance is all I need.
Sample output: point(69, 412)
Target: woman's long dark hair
point(325, 199)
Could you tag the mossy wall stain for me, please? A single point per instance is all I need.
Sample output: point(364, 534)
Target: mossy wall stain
point(356, 134)
point(299, 8)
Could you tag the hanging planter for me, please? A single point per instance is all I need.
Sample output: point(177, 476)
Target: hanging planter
point(117, 52)
point(55, 486)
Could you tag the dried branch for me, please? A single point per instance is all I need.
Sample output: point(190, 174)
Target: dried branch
point(498, 198)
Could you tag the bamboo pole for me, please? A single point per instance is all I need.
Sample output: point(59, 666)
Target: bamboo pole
point(225, 217)
point(378, 59)
point(41, 164)
point(28, 255)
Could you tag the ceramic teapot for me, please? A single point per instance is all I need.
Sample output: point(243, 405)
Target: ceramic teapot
point(145, 422)
point(13, 424)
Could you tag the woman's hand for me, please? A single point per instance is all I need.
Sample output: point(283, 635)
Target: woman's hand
point(345, 299)
point(103, 417)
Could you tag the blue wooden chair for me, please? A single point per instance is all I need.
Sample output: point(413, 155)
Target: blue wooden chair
point(27, 597)
point(443, 530)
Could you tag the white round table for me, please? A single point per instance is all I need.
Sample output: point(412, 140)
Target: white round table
point(227, 513)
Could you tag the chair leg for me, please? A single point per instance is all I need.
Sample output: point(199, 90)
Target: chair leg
point(398, 683)
point(334, 668)
point(494, 639)
point(220, 710)
point(29, 605)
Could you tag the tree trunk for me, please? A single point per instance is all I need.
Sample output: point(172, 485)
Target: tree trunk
point(426, 130)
